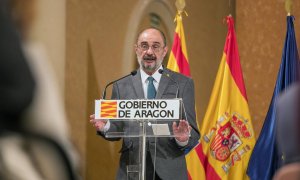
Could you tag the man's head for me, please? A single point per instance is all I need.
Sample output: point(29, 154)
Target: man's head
point(23, 14)
point(151, 49)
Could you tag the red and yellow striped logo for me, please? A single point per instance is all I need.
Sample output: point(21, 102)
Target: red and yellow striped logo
point(108, 109)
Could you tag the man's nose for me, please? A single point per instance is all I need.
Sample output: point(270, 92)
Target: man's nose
point(150, 50)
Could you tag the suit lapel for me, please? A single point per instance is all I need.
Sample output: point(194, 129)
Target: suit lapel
point(164, 81)
point(137, 84)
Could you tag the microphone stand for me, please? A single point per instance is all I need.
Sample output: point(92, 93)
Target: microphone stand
point(110, 83)
point(142, 175)
point(143, 150)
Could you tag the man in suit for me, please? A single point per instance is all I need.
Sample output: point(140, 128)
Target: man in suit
point(288, 124)
point(165, 156)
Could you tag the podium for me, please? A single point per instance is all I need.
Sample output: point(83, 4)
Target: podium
point(136, 121)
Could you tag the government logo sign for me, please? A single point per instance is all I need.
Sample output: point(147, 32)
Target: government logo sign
point(138, 109)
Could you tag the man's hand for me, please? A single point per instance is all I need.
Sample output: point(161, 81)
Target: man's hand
point(98, 123)
point(182, 131)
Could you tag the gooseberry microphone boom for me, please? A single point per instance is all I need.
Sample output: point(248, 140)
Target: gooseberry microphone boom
point(132, 73)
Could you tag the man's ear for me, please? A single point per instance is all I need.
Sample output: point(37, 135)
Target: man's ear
point(135, 48)
point(165, 50)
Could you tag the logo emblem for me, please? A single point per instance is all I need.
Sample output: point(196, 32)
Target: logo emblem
point(226, 139)
point(108, 109)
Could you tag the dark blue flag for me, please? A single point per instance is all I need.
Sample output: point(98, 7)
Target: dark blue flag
point(265, 158)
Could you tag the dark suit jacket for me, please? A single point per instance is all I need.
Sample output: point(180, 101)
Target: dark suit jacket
point(288, 124)
point(170, 158)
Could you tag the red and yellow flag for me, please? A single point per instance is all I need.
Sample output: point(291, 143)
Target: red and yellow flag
point(178, 62)
point(227, 133)
point(109, 109)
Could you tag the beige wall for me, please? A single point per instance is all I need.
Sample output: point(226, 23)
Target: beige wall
point(49, 30)
point(95, 39)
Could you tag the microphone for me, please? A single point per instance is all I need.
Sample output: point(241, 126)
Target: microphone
point(132, 73)
point(161, 71)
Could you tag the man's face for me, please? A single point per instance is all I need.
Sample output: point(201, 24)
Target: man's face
point(150, 50)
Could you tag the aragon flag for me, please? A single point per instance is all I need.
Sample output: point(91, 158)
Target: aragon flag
point(227, 133)
point(178, 62)
point(266, 159)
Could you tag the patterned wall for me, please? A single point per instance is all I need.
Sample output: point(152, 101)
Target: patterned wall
point(261, 29)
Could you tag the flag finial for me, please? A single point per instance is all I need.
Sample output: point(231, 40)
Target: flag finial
point(288, 6)
point(180, 4)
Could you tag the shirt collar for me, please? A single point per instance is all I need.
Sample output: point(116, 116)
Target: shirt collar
point(156, 75)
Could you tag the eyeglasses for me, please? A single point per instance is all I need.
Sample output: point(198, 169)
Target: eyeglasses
point(155, 47)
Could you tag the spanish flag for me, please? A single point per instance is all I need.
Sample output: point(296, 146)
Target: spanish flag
point(178, 61)
point(227, 134)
